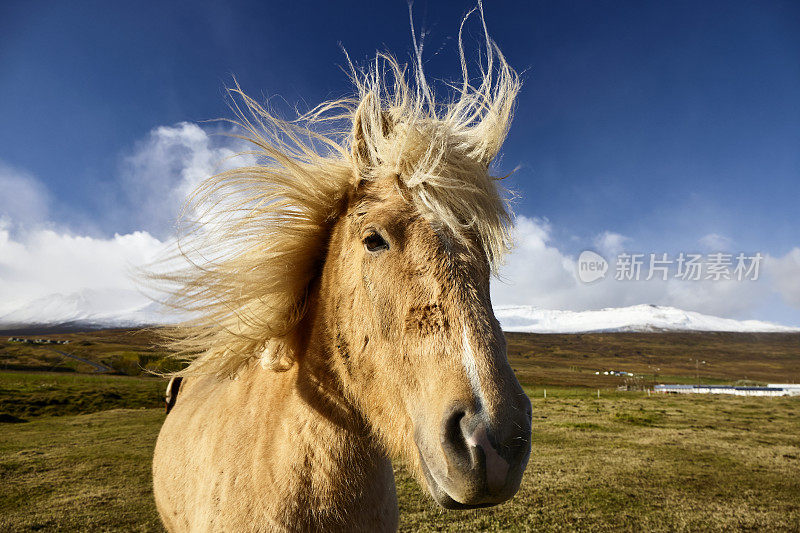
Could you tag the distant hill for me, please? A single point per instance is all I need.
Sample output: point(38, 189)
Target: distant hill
point(85, 310)
point(99, 309)
point(637, 318)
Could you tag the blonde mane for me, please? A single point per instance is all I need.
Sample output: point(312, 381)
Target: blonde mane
point(259, 233)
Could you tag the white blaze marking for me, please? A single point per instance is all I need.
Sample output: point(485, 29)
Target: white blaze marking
point(468, 360)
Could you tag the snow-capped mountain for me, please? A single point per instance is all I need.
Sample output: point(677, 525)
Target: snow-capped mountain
point(634, 318)
point(95, 308)
point(129, 308)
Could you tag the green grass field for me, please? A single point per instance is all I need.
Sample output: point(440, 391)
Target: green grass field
point(23, 395)
point(623, 462)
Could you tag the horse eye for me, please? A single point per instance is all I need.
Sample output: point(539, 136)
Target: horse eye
point(375, 243)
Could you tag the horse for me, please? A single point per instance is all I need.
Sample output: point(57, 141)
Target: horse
point(340, 286)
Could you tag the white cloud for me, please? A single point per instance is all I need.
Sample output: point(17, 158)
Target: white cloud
point(715, 242)
point(44, 262)
point(38, 258)
point(538, 273)
point(167, 166)
point(24, 200)
point(609, 243)
point(784, 273)
point(41, 259)
point(725, 298)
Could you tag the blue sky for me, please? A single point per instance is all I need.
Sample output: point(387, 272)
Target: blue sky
point(660, 122)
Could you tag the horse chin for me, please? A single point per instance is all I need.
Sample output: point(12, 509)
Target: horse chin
point(440, 494)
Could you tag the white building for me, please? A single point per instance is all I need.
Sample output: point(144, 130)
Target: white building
point(769, 390)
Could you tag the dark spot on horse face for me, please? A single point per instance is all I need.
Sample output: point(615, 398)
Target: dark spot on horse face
point(343, 350)
point(426, 320)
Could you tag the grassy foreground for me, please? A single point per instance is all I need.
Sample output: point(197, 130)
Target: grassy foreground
point(30, 395)
point(79, 473)
point(622, 462)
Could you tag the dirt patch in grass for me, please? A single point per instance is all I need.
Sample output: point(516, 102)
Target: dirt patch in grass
point(640, 419)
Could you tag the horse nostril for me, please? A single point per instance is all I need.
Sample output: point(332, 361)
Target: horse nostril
point(453, 441)
point(495, 465)
point(469, 448)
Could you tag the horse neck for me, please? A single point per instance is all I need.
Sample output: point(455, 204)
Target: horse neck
point(332, 442)
point(317, 382)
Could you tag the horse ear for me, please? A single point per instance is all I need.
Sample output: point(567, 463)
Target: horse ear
point(370, 124)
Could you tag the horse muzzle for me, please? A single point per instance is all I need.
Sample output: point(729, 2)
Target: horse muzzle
point(477, 462)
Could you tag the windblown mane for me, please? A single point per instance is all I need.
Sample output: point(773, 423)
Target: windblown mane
point(259, 232)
